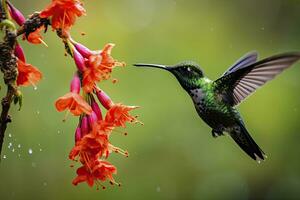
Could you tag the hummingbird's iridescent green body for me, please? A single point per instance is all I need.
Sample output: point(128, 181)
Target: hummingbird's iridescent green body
point(211, 108)
point(216, 101)
point(209, 104)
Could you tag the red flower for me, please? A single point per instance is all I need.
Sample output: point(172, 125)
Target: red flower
point(107, 61)
point(90, 147)
point(63, 13)
point(90, 77)
point(73, 102)
point(97, 171)
point(35, 37)
point(101, 127)
point(118, 115)
point(104, 127)
point(28, 75)
point(99, 67)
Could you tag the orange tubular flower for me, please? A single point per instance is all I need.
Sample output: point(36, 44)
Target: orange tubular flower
point(90, 77)
point(99, 67)
point(101, 127)
point(63, 13)
point(73, 102)
point(93, 146)
point(84, 99)
point(97, 171)
point(118, 115)
point(28, 75)
point(107, 61)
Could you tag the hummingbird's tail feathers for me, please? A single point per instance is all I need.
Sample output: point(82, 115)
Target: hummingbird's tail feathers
point(245, 141)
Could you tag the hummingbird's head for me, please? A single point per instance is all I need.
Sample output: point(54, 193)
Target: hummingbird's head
point(187, 73)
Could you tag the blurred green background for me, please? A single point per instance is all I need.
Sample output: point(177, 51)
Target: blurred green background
point(174, 155)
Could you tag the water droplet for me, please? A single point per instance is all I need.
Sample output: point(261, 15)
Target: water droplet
point(41, 150)
point(265, 156)
point(158, 189)
point(19, 155)
point(9, 145)
point(58, 132)
point(13, 150)
point(38, 112)
point(9, 135)
point(19, 146)
point(35, 87)
point(4, 156)
point(30, 151)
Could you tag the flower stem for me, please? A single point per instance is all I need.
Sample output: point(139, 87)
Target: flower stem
point(8, 66)
point(5, 9)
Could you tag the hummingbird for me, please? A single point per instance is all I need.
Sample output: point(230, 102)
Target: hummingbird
point(216, 101)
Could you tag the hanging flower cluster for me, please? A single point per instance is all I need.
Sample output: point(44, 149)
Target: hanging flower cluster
point(85, 99)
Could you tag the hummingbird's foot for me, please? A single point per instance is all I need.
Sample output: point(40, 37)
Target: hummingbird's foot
point(216, 133)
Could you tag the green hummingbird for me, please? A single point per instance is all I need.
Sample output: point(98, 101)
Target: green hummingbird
point(216, 101)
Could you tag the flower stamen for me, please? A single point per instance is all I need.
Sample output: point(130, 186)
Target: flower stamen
point(119, 150)
point(43, 42)
point(67, 113)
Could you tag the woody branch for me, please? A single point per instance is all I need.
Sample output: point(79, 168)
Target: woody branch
point(8, 61)
point(8, 66)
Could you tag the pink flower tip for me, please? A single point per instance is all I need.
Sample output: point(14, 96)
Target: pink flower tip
point(78, 135)
point(84, 126)
point(104, 99)
point(92, 119)
point(79, 60)
point(83, 50)
point(20, 53)
point(75, 84)
point(97, 110)
point(16, 15)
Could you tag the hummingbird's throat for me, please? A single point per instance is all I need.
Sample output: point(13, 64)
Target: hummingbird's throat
point(187, 84)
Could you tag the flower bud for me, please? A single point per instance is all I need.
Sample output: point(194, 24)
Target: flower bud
point(84, 126)
point(77, 134)
point(92, 119)
point(104, 99)
point(16, 15)
point(79, 60)
point(97, 110)
point(75, 84)
point(20, 53)
point(83, 50)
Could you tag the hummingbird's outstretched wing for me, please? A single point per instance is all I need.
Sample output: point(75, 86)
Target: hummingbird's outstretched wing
point(239, 83)
point(243, 62)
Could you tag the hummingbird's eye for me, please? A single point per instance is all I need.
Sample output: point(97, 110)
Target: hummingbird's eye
point(188, 69)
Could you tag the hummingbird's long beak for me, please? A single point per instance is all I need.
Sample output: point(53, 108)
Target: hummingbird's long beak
point(152, 65)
